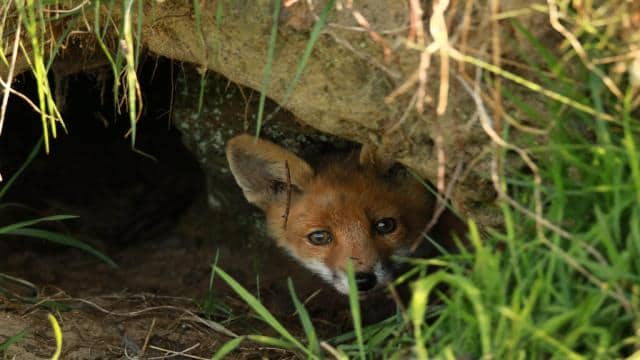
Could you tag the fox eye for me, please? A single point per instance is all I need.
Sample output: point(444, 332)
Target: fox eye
point(385, 226)
point(320, 237)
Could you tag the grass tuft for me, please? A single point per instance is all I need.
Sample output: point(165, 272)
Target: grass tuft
point(266, 74)
point(559, 280)
point(24, 228)
point(289, 340)
point(354, 304)
point(5, 344)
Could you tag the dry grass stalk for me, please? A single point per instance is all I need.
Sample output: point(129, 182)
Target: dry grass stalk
point(554, 19)
point(7, 84)
point(438, 30)
point(541, 222)
point(362, 21)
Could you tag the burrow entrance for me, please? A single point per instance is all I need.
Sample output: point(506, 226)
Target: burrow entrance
point(148, 210)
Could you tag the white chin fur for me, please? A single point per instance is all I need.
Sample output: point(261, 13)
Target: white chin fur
point(319, 269)
point(339, 278)
point(340, 282)
point(383, 274)
point(336, 278)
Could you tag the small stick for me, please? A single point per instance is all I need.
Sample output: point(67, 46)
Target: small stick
point(286, 210)
point(146, 339)
point(441, 206)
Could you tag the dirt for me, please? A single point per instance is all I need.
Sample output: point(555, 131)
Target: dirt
point(108, 312)
point(150, 211)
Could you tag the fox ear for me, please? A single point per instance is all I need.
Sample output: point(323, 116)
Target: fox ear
point(264, 170)
point(372, 157)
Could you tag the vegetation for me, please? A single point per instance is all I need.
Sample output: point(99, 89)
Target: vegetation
point(25, 228)
point(560, 280)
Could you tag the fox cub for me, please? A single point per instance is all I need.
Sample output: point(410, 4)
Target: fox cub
point(358, 209)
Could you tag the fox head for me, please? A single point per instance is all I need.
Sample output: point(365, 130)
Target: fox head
point(338, 211)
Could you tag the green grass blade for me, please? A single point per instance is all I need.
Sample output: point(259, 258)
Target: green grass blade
point(424, 286)
point(130, 67)
point(315, 34)
point(197, 12)
point(629, 141)
point(32, 155)
point(264, 314)
point(201, 93)
point(4, 346)
point(33, 19)
point(271, 341)
point(305, 319)
point(354, 304)
point(214, 265)
point(54, 52)
point(550, 60)
point(22, 224)
point(62, 240)
point(418, 307)
point(542, 335)
point(266, 74)
point(561, 98)
point(115, 69)
point(216, 38)
point(139, 22)
point(228, 347)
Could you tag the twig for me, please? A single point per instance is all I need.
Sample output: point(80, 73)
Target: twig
point(286, 210)
point(208, 323)
point(7, 85)
point(308, 299)
point(66, 11)
point(146, 339)
point(26, 99)
point(464, 29)
point(457, 55)
point(399, 304)
point(441, 163)
point(176, 353)
point(331, 350)
point(496, 53)
point(617, 58)
point(386, 50)
point(577, 47)
point(416, 31)
point(441, 206)
point(541, 222)
point(423, 75)
point(404, 87)
point(438, 30)
point(393, 74)
point(404, 116)
point(361, 29)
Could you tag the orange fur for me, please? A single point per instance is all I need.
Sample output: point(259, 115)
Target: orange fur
point(345, 198)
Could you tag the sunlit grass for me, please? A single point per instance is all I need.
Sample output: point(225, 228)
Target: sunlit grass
point(5, 344)
point(526, 291)
point(32, 23)
point(522, 291)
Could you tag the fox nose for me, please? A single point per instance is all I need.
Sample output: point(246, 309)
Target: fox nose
point(366, 281)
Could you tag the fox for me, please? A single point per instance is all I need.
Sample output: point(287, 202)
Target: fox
point(354, 207)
